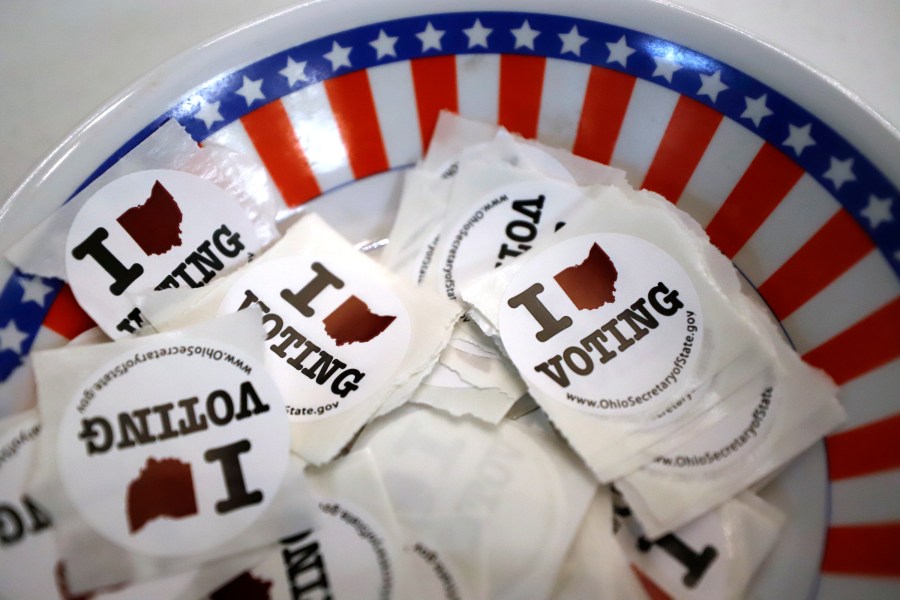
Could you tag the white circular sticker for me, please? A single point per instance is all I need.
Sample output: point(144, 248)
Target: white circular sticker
point(505, 224)
point(445, 377)
point(147, 231)
point(729, 442)
point(173, 449)
point(606, 323)
point(336, 332)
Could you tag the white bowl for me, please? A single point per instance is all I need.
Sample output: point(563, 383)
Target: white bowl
point(791, 177)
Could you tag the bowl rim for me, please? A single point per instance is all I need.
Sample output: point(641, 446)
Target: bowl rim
point(143, 105)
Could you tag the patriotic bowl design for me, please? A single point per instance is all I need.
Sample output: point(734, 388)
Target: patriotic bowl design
point(791, 179)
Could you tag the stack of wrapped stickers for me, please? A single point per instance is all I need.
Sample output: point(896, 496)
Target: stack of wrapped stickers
point(547, 385)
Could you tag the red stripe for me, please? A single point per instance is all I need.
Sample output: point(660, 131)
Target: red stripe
point(434, 79)
point(353, 106)
point(872, 448)
point(272, 133)
point(66, 317)
point(867, 345)
point(605, 102)
point(654, 592)
point(687, 135)
point(521, 85)
point(872, 550)
point(836, 247)
point(764, 184)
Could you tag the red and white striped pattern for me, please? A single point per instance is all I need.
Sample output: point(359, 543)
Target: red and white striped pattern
point(821, 274)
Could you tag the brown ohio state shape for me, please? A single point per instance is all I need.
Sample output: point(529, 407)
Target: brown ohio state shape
point(591, 283)
point(353, 322)
point(156, 224)
point(164, 488)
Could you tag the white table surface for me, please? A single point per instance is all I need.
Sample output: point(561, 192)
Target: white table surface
point(60, 60)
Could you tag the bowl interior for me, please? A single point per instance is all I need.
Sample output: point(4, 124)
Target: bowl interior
point(806, 215)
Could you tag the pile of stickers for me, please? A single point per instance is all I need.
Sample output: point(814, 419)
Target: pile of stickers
point(546, 385)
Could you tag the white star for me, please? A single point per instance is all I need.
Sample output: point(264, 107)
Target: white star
point(430, 37)
point(878, 211)
point(209, 113)
point(711, 85)
point(525, 36)
point(35, 290)
point(11, 338)
point(756, 110)
point(665, 68)
point(477, 34)
point(384, 45)
point(840, 172)
point(251, 90)
point(294, 71)
point(619, 52)
point(572, 41)
point(339, 56)
point(799, 138)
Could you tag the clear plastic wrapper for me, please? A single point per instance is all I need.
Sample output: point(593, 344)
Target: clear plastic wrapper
point(163, 453)
point(712, 557)
point(500, 506)
point(621, 317)
point(480, 366)
point(415, 230)
point(749, 436)
point(596, 567)
point(168, 214)
point(26, 398)
point(468, 366)
point(345, 337)
point(445, 390)
point(456, 139)
point(453, 137)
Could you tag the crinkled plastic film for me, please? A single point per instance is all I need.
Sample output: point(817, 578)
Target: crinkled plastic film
point(445, 390)
point(596, 566)
point(441, 474)
point(42, 251)
point(790, 412)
